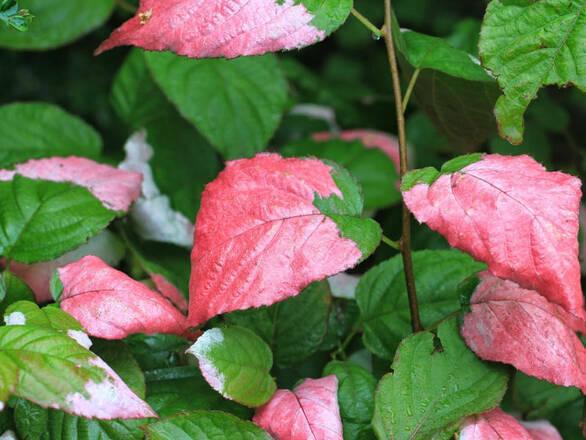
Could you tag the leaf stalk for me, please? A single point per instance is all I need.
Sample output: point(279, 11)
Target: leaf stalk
point(366, 22)
point(405, 241)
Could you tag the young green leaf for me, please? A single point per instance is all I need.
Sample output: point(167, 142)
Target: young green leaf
point(42, 220)
point(218, 28)
point(375, 172)
point(528, 45)
point(382, 296)
point(520, 327)
point(111, 305)
point(279, 324)
point(80, 382)
point(269, 226)
point(527, 232)
point(236, 363)
point(309, 412)
point(453, 90)
point(236, 104)
point(434, 383)
point(26, 312)
point(56, 24)
point(36, 130)
point(204, 425)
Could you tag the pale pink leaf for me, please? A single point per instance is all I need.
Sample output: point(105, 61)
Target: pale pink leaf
point(258, 237)
point(493, 425)
point(309, 412)
point(38, 275)
point(169, 291)
point(371, 139)
point(542, 430)
point(111, 305)
point(512, 214)
point(520, 327)
point(217, 28)
point(115, 188)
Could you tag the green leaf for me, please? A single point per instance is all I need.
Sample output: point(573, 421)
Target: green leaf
point(118, 356)
point(35, 130)
point(50, 316)
point(293, 328)
point(528, 45)
point(328, 15)
point(236, 363)
point(135, 97)
point(346, 211)
point(183, 389)
point(157, 351)
point(236, 104)
point(35, 422)
point(42, 220)
point(373, 169)
point(12, 15)
point(355, 396)
point(15, 289)
point(452, 89)
point(436, 381)
point(382, 296)
point(343, 315)
point(204, 425)
point(57, 22)
point(538, 399)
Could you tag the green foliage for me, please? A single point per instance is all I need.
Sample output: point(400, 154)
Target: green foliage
point(42, 220)
point(328, 16)
point(528, 45)
point(14, 290)
point(436, 380)
point(249, 92)
point(36, 130)
point(13, 16)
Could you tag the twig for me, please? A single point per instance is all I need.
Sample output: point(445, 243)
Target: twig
point(410, 88)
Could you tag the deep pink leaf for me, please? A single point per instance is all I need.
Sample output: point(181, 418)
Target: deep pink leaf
point(111, 305)
point(309, 412)
point(520, 327)
point(115, 188)
point(493, 425)
point(371, 139)
point(169, 291)
point(217, 28)
point(515, 216)
point(542, 430)
point(258, 237)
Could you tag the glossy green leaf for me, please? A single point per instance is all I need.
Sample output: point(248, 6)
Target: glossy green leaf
point(35, 130)
point(538, 399)
point(14, 16)
point(57, 22)
point(436, 380)
point(452, 88)
point(355, 396)
point(236, 104)
point(183, 389)
point(236, 363)
point(157, 351)
point(50, 316)
point(373, 169)
point(528, 45)
point(344, 314)
point(204, 425)
point(35, 422)
point(382, 297)
point(15, 290)
point(42, 220)
point(294, 328)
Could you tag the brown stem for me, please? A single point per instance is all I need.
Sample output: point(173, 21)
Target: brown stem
point(405, 241)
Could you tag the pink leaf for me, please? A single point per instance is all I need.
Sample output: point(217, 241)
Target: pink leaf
point(217, 28)
point(542, 430)
point(169, 291)
point(115, 188)
point(111, 305)
point(493, 425)
point(371, 139)
point(515, 216)
point(258, 237)
point(309, 412)
point(520, 327)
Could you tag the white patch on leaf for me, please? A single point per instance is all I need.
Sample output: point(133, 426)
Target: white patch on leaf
point(8, 435)
point(201, 349)
point(80, 337)
point(343, 285)
point(316, 111)
point(1, 406)
point(152, 213)
point(15, 318)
